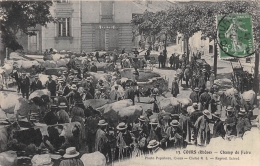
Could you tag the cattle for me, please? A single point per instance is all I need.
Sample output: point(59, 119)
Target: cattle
point(56, 57)
point(115, 111)
point(96, 103)
point(5, 71)
point(185, 102)
point(17, 105)
point(98, 76)
point(249, 96)
point(61, 63)
point(171, 105)
point(226, 97)
point(55, 71)
point(93, 159)
point(102, 66)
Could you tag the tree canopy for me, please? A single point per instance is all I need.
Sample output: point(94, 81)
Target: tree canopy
point(19, 16)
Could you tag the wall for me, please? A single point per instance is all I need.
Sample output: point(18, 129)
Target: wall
point(50, 37)
point(90, 11)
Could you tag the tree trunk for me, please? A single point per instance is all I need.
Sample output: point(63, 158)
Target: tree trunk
point(165, 44)
point(215, 58)
point(256, 72)
point(187, 47)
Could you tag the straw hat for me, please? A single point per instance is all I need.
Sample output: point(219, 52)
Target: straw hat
point(102, 122)
point(153, 144)
point(73, 87)
point(207, 113)
point(229, 108)
point(121, 126)
point(174, 123)
point(242, 112)
point(154, 122)
point(142, 118)
point(196, 89)
point(53, 106)
point(62, 105)
point(204, 70)
point(71, 153)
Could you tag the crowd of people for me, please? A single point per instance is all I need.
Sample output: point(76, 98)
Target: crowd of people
point(155, 130)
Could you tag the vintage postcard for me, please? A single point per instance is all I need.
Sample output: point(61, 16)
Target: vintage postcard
point(129, 82)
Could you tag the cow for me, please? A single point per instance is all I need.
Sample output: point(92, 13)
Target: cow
point(5, 72)
point(115, 106)
point(8, 158)
point(96, 103)
point(98, 76)
point(171, 105)
point(17, 105)
point(226, 97)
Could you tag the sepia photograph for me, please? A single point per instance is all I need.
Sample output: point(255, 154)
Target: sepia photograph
point(129, 82)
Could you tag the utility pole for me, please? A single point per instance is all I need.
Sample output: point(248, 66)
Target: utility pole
point(215, 56)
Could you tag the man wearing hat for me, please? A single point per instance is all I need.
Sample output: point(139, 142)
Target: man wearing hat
point(51, 86)
point(211, 78)
point(71, 158)
point(185, 124)
point(202, 82)
point(156, 132)
point(194, 96)
point(154, 147)
point(230, 124)
point(51, 118)
point(175, 135)
point(218, 128)
point(124, 141)
point(205, 99)
point(175, 87)
point(101, 141)
point(202, 134)
point(36, 84)
point(63, 116)
point(73, 95)
point(243, 123)
point(24, 85)
point(130, 93)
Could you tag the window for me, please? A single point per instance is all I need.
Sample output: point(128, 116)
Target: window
point(61, 1)
point(107, 11)
point(64, 27)
point(210, 48)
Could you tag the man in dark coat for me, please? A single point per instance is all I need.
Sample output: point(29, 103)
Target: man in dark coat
point(97, 56)
point(51, 118)
point(160, 60)
point(205, 99)
point(218, 129)
point(177, 62)
point(36, 84)
point(51, 86)
point(175, 87)
point(194, 96)
point(93, 68)
point(172, 61)
point(24, 84)
point(130, 93)
point(243, 123)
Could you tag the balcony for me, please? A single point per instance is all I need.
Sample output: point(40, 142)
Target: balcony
point(107, 18)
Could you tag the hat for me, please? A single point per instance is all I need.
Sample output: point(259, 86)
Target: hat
point(195, 105)
point(242, 112)
point(204, 70)
point(71, 152)
point(62, 105)
point(229, 108)
point(49, 76)
point(207, 113)
point(154, 122)
point(100, 80)
point(59, 92)
point(73, 87)
point(54, 106)
point(64, 72)
point(102, 122)
point(216, 115)
point(36, 76)
point(196, 89)
point(174, 123)
point(247, 99)
point(153, 144)
point(121, 126)
point(88, 79)
point(23, 73)
point(142, 118)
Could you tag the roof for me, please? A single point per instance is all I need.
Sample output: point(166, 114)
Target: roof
point(140, 6)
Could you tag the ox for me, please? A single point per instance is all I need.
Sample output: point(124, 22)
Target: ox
point(17, 105)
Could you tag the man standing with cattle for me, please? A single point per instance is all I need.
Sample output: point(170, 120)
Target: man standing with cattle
point(36, 84)
point(24, 85)
point(51, 86)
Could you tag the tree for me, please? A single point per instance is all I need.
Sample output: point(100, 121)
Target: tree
point(19, 16)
